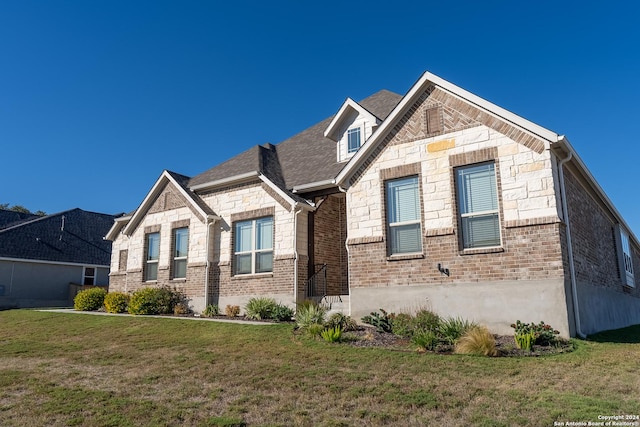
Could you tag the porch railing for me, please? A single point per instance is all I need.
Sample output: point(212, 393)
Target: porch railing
point(317, 284)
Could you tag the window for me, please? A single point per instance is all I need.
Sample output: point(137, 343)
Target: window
point(353, 140)
point(403, 216)
point(478, 206)
point(153, 253)
point(89, 276)
point(253, 251)
point(180, 250)
point(625, 259)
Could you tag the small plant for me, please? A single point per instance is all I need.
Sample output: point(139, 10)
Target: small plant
point(426, 320)
point(332, 334)
point(403, 325)
point(259, 308)
point(478, 341)
point(452, 328)
point(425, 339)
point(116, 302)
point(282, 313)
point(525, 340)
point(314, 329)
point(342, 321)
point(154, 301)
point(232, 310)
point(211, 310)
point(382, 321)
point(543, 334)
point(309, 314)
point(181, 308)
point(90, 299)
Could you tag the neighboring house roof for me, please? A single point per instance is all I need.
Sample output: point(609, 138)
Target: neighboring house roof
point(74, 236)
point(10, 218)
point(304, 158)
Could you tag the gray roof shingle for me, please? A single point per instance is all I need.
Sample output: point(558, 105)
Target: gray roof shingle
point(302, 159)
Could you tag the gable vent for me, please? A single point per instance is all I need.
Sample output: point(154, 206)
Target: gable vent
point(434, 122)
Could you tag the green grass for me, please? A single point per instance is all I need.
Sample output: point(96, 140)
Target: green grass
point(73, 369)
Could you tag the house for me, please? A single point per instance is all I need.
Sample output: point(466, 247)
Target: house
point(42, 257)
point(436, 199)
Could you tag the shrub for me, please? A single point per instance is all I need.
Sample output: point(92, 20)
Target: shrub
point(309, 314)
point(181, 308)
point(342, 321)
point(154, 301)
point(116, 302)
point(211, 310)
point(332, 334)
point(314, 329)
point(259, 308)
point(425, 339)
point(478, 341)
point(403, 325)
point(426, 320)
point(282, 313)
point(232, 310)
point(452, 328)
point(543, 334)
point(382, 321)
point(90, 299)
point(525, 340)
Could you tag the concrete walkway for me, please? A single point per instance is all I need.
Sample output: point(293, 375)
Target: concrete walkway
point(208, 319)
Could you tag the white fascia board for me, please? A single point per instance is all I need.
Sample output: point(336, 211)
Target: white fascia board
point(224, 181)
point(314, 186)
point(37, 261)
point(337, 119)
point(284, 195)
point(150, 198)
point(564, 143)
point(410, 98)
point(118, 223)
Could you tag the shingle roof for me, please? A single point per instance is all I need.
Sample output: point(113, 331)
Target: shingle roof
point(11, 218)
point(302, 159)
point(73, 236)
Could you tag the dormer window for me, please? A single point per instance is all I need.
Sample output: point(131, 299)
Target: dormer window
point(354, 140)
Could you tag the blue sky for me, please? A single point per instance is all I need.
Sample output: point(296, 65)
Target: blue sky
point(98, 97)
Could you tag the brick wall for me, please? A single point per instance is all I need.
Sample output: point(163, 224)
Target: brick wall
point(330, 230)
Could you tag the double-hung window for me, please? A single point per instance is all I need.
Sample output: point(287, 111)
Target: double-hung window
point(625, 259)
point(403, 216)
point(353, 140)
point(180, 250)
point(478, 205)
point(89, 276)
point(153, 254)
point(253, 246)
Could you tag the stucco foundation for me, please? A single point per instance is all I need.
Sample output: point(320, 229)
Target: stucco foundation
point(494, 304)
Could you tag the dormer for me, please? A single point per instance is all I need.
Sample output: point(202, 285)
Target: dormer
point(350, 128)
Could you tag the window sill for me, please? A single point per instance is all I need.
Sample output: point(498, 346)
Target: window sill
point(179, 279)
point(476, 251)
point(151, 281)
point(403, 257)
point(251, 276)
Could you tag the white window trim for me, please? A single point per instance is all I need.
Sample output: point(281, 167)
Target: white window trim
point(151, 261)
point(391, 225)
point(625, 257)
point(481, 213)
point(361, 137)
point(253, 252)
point(85, 275)
point(181, 258)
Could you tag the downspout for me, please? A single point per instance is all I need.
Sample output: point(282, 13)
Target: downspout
point(210, 222)
point(572, 268)
point(296, 211)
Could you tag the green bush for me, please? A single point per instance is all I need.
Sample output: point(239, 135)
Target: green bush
point(211, 310)
point(452, 328)
point(259, 308)
point(282, 313)
point(426, 320)
point(543, 334)
point(116, 302)
point(525, 340)
point(308, 314)
point(342, 321)
point(90, 299)
point(383, 321)
point(403, 325)
point(332, 334)
point(154, 301)
point(425, 339)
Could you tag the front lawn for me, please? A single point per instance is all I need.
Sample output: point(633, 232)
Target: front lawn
point(71, 369)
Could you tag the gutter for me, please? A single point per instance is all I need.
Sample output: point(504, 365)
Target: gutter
point(572, 267)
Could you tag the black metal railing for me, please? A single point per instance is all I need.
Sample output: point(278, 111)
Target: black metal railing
point(317, 284)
